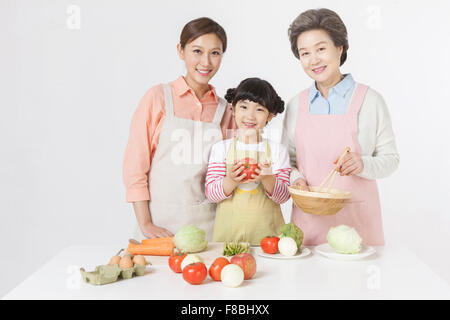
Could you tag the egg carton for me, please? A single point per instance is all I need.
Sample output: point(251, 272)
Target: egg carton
point(105, 274)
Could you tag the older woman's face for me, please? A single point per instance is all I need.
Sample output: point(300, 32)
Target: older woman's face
point(319, 57)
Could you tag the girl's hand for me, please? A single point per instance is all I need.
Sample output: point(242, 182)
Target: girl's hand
point(267, 180)
point(152, 231)
point(350, 164)
point(233, 178)
point(301, 184)
point(235, 172)
point(258, 177)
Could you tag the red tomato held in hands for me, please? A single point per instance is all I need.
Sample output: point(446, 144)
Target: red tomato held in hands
point(250, 166)
point(270, 244)
point(175, 260)
point(216, 268)
point(195, 273)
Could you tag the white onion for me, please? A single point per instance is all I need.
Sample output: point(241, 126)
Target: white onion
point(287, 246)
point(190, 258)
point(232, 275)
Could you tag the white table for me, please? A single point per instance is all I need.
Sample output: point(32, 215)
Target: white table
point(392, 273)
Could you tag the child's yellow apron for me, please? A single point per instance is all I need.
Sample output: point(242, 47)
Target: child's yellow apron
point(248, 215)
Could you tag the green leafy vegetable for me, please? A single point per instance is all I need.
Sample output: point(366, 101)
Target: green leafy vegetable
point(234, 248)
point(190, 239)
point(291, 230)
point(344, 239)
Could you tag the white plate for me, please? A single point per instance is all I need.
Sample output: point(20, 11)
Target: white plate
point(327, 251)
point(304, 252)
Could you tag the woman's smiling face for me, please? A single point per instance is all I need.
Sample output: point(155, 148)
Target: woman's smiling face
point(202, 57)
point(251, 116)
point(319, 57)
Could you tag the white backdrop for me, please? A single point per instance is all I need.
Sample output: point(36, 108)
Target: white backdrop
point(72, 73)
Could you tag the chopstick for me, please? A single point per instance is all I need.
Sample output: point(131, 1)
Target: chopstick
point(332, 173)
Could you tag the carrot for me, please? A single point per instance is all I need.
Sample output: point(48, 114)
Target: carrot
point(156, 240)
point(152, 247)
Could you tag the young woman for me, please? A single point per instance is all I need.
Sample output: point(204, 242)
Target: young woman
point(333, 113)
point(249, 203)
point(165, 186)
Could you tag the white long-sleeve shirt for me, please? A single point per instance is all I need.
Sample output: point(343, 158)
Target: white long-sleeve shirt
point(375, 136)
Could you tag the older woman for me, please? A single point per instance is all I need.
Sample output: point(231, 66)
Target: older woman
point(333, 113)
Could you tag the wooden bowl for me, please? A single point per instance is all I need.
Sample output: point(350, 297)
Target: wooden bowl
point(320, 203)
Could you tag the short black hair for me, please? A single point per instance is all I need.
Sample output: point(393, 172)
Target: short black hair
point(259, 91)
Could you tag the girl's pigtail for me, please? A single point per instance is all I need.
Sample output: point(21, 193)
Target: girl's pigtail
point(231, 93)
point(279, 105)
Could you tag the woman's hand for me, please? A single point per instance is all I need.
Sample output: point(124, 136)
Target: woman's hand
point(151, 231)
point(301, 184)
point(143, 217)
point(350, 164)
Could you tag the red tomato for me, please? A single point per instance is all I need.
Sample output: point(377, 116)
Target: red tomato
point(175, 260)
point(216, 268)
point(195, 273)
point(270, 244)
point(250, 166)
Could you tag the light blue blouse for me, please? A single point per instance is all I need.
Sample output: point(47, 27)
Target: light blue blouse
point(338, 97)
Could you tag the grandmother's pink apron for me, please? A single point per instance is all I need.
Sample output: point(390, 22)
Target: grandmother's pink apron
point(319, 140)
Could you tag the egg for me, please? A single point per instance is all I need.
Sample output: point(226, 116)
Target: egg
point(129, 255)
point(125, 263)
point(114, 260)
point(139, 260)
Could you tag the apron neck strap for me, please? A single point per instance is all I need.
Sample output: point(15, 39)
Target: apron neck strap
point(168, 100)
point(357, 99)
point(220, 111)
point(303, 101)
point(234, 152)
point(170, 111)
point(268, 152)
point(355, 103)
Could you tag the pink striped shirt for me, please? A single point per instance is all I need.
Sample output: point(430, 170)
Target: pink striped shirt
point(213, 183)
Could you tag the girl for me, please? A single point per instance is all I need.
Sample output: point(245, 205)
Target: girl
point(333, 113)
point(249, 203)
point(166, 193)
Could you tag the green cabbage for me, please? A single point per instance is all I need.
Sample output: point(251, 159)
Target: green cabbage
point(190, 239)
point(291, 230)
point(344, 239)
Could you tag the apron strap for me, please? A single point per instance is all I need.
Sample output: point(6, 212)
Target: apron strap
point(357, 99)
point(268, 151)
point(168, 100)
point(354, 107)
point(232, 151)
point(221, 107)
point(170, 111)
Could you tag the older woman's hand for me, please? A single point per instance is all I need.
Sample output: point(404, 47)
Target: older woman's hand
point(350, 164)
point(301, 183)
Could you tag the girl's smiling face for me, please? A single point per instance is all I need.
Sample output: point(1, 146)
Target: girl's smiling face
point(250, 116)
point(319, 57)
point(202, 57)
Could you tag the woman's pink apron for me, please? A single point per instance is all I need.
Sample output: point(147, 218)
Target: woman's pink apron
point(319, 140)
